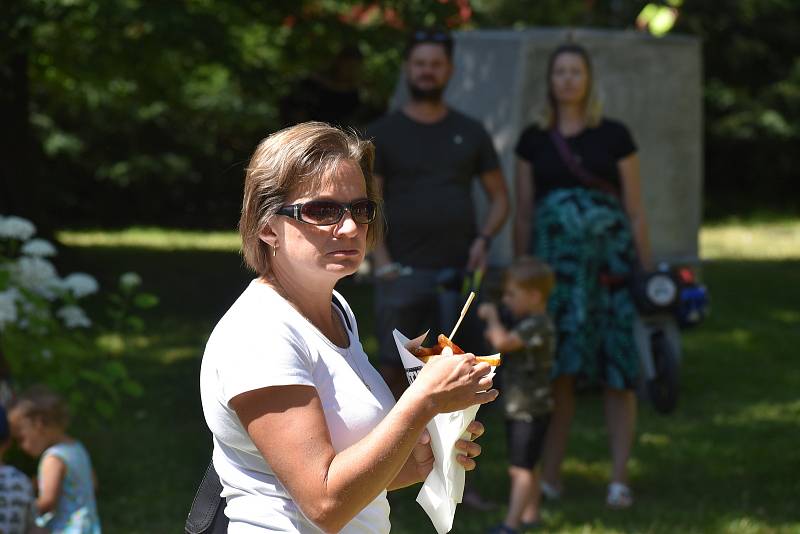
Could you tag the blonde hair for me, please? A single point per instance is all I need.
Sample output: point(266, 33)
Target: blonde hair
point(592, 107)
point(305, 156)
point(531, 273)
point(39, 403)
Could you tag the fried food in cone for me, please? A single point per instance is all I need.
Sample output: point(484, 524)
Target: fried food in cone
point(425, 353)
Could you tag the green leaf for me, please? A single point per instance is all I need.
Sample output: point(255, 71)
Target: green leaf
point(145, 300)
point(135, 323)
point(116, 369)
point(92, 376)
point(76, 398)
point(132, 388)
point(104, 408)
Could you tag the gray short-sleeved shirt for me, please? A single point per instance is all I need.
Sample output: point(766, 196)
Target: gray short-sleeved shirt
point(428, 171)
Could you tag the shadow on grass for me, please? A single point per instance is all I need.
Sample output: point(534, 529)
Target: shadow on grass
point(726, 461)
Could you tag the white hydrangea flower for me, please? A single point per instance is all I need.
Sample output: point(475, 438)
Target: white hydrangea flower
point(130, 280)
point(74, 317)
point(38, 247)
point(32, 313)
point(37, 275)
point(80, 284)
point(14, 227)
point(8, 308)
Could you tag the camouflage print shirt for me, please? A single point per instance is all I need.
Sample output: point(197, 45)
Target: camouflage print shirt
point(526, 372)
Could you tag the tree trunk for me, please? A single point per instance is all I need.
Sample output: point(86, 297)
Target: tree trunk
point(16, 191)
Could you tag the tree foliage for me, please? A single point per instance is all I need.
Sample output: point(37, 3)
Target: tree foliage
point(145, 112)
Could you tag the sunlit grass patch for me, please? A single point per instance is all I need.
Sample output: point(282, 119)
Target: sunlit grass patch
point(654, 440)
point(725, 461)
point(751, 240)
point(751, 525)
point(153, 238)
point(773, 412)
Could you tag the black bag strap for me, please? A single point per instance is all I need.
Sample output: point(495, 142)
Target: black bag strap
point(207, 514)
point(344, 313)
point(574, 166)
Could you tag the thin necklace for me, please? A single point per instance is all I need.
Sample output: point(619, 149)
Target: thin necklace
point(355, 367)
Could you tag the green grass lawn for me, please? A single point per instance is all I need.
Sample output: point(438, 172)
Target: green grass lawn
point(727, 461)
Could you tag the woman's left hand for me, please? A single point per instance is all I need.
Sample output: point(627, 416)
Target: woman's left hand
point(468, 448)
point(422, 455)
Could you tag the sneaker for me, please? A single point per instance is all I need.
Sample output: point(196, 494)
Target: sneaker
point(549, 492)
point(619, 496)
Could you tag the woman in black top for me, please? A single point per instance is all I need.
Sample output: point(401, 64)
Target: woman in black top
point(579, 209)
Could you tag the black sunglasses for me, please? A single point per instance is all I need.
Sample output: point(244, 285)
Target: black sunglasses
point(327, 212)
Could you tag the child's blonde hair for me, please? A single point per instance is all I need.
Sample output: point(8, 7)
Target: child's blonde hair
point(40, 403)
point(531, 273)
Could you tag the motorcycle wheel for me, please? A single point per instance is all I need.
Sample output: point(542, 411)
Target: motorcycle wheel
point(663, 388)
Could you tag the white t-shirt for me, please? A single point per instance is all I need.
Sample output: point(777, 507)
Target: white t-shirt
point(263, 341)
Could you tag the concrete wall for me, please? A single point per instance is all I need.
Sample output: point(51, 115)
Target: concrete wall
point(652, 85)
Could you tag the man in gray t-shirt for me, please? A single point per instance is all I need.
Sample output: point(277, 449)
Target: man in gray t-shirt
point(427, 155)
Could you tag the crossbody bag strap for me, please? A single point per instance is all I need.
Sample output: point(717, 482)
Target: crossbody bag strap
point(344, 313)
point(574, 166)
point(207, 505)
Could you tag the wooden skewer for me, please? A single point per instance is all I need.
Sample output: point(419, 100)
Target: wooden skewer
point(463, 313)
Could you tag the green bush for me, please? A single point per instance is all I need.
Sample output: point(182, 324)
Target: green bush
point(46, 334)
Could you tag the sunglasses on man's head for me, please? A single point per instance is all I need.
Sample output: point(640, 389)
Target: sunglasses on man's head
point(327, 212)
point(422, 36)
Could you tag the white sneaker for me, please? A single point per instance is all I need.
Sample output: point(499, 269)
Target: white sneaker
point(549, 492)
point(619, 496)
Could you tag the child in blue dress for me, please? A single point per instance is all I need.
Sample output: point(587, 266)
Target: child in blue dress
point(66, 501)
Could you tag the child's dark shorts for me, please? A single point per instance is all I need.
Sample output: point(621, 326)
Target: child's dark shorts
point(525, 440)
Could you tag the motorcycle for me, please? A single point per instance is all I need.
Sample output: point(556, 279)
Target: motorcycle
point(668, 300)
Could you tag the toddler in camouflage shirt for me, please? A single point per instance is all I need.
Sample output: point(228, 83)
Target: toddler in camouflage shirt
point(528, 349)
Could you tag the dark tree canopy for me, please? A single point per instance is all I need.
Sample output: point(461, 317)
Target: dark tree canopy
point(145, 112)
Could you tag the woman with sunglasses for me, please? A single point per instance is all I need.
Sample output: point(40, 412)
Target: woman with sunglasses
point(307, 436)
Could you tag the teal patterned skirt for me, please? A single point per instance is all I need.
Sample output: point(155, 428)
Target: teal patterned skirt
point(583, 234)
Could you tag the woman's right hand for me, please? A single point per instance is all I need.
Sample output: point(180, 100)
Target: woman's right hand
point(453, 382)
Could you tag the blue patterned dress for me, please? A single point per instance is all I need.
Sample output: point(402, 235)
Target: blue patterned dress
point(584, 234)
point(76, 511)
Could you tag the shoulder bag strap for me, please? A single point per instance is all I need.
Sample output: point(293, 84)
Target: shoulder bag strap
point(588, 179)
point(207, 514)
point(344, 313)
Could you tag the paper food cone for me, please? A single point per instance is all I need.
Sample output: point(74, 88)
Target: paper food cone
point(444, 487)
